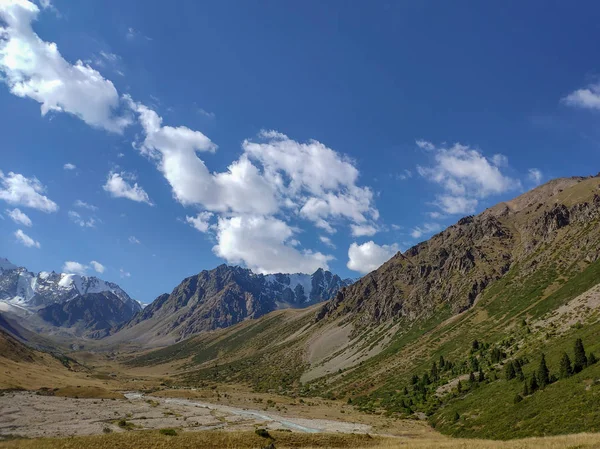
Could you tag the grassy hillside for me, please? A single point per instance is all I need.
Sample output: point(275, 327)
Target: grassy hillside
point(446, 298)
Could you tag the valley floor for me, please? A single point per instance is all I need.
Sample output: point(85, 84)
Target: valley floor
point(35, 420)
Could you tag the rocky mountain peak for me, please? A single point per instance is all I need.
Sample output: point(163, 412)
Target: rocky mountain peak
point(455, 266)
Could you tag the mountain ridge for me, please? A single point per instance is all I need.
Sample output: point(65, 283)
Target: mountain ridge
point(225, 296)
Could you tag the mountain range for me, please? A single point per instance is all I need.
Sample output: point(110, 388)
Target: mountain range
point(86, 306)
point(226, 296)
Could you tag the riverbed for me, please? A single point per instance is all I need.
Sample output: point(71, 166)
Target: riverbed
point(30, 415)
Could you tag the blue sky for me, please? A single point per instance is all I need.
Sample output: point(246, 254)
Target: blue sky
point(281, 136)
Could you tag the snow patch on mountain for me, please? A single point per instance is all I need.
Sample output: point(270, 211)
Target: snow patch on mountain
point(33, 291)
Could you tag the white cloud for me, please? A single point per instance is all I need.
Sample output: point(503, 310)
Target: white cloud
point(369, 256)
point(327, 241)
point(118, 187)
point(466, 176)
point(318, 179)
point(500, 160)
point(69, 166)
point(201, 221)
point(97, 266)
point(404, 175)
point(425, 145)
point(535, 175)
point(264, 244)
point(84, 205)
point(206, 113)
point(133, 34)
point(133, 239)
point(26, 240)
point(426, 229)
point(588, 98)
point(19, 217)
point(35, 69)
point(363, 230)
point(71, 267)
point(241, 189)
point(456, 204)
point(76, 218)
point(18, 190)
point(124, 274)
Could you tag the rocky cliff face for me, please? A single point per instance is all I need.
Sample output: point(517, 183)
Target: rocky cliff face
point(90, 315)
point(228, 295)
point(551, 226)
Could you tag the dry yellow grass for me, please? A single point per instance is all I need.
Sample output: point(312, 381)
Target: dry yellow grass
point(286, 440)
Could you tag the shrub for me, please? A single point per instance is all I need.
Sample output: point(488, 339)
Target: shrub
point(168, 432)
point(263, 433)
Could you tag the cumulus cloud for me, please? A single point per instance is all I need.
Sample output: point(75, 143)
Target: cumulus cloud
point(124, 274)
point(535, 175)
point(201, 221)
point(369, 256)
point(19, 217)
point(264, 244)
point(26, 240)
point(241, 189)
point(363, 230)
point(426, 229)
point(118, 186)
point(71, 267)
point(321, 181)
point(28, 192)
point(35, 69)
point(76, 218)
point(97, 266)
point(587, 98)
point(466, 176)
point(69, 166)
point(133, 239)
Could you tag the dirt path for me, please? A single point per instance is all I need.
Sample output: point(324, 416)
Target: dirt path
point(31, 415)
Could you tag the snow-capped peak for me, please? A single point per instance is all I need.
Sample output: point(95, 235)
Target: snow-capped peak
point(30, 290)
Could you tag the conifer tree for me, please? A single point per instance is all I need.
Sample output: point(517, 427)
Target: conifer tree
point(519, 371)
point(580, 357)
point(566, 369)
point(415, 379)
point(481, 376)
point(591, 359)
point(434, 372)
point(442, 363)
point(405, 391)
point(543, 373)
point(472, 378)
point(509, 371)
point(525, 389)
point(459, 386)
point(533, 384)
